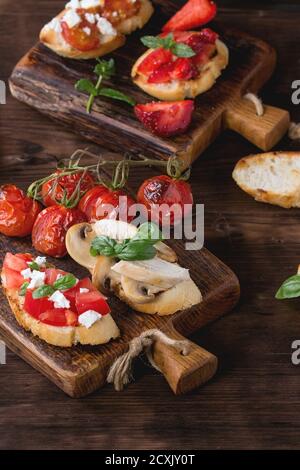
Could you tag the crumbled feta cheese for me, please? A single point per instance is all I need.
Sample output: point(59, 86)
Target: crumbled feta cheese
point(59, 300)
point(74, 4)
point(90, 17)
point(91, 3)
point(37, 279)
point(87, 30)
point(88, 318)
point(72, 18)
point(54, 25)
point(26, 273)
point(83, 290)
point(40, 260)
point(105, 27)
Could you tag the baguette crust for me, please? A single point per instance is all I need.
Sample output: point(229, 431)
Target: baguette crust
point(286, 193)
point(55, 41)
point(179, 90)
point(100, 332)
point(180, 297)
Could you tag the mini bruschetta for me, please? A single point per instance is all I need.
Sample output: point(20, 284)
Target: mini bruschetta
point(88, 29)
point(155, 286)
point(54, 305)
point(168, 77)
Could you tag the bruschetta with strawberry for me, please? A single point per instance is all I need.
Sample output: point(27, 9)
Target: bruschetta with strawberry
point(54, 305)
point(180, 64)
point(87, 29)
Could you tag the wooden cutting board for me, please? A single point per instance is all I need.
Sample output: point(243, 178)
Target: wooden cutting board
point(81, 370)
point(46, 81)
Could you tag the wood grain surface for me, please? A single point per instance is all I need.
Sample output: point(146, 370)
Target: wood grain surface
point(253, 401)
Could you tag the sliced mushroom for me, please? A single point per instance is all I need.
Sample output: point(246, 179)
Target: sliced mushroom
point(101, 272)
point(166, 253)
point(78, 243)
point(135, 291)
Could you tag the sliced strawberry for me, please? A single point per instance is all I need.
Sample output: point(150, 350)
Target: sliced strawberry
point(193, 14)
point(166, 118)
point(154, 60)
point(183, 69)
point(162, 74)
point(204, 56)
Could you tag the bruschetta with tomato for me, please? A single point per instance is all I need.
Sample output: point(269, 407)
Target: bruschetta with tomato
point(174, 72)
point(54, 305)
point(88, 29)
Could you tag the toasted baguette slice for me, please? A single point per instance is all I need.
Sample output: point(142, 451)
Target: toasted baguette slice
point(51, 36)
point(129, 25)
point(180, 89)
point(100, 332)
point(272, 177)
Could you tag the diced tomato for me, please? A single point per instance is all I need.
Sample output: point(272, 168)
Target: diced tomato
point(70, 294)
point(13, 279)
point(86, 283)
point(25, 256)
point(36, 306)
point(71, 318)
point(92, 301)
point(154, 60)
point(57, 317)
point(15, 262)
point(51, 275)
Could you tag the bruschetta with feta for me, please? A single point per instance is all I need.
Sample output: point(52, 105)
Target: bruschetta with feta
point(54, 305)
point(155, 286)
point(88, 29)
point(170, 77)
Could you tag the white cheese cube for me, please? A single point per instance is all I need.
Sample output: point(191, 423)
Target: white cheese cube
point(59, 300)
point(105, 27)
point(72, 18)
point(88, 318)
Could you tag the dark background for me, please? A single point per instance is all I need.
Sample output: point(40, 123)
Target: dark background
point(253, 402)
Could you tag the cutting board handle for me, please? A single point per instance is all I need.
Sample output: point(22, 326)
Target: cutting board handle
point(263, 131)
point(184, 373)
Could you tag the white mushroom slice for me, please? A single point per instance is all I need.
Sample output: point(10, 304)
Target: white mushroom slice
point(156, 272)
point(166, 253)
point(135, 291)
point(78, 243)
point(101, 272)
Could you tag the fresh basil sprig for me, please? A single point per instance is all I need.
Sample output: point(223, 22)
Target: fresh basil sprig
point(140, 247)
point(64, 283)
point(290, 289)
point(177, 48)
point(105, 69)
point(34, 266)
point(23, 289)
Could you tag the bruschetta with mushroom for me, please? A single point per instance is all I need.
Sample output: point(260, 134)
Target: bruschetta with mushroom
point(88, 29)
point(180, 64)
point(121, 261)
point(54, 305)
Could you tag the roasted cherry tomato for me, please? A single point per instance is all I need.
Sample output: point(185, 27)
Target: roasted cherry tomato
point(89, 200)
point(18, 212)
point(168, 191)
point(102, 203)
point(79, 37)
point(50, 228)
point(65, 186)
point(116, 11)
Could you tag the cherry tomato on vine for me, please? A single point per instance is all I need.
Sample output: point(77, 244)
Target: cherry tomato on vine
point(58, 188)
point(109, 206)
point(18, 212)
point(90, 199)
point(168, 191)
point(50, 228)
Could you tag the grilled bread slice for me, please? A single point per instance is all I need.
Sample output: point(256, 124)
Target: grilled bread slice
point(272, 177)
point(179, 89)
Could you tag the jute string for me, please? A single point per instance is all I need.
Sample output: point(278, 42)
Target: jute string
point(120, 372)
point(294, 129)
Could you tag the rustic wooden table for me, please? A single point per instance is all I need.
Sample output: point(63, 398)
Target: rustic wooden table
point(253, 402)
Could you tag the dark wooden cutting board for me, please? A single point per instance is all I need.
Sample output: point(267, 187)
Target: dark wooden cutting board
point(46, 81)
point(81, 370)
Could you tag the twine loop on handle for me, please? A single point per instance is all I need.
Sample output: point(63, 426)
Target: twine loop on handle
point(259, 107)
point(120, 372)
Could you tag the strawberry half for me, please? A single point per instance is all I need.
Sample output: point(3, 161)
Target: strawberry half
point(166, 119)
point(193, 14)
point(154, 60)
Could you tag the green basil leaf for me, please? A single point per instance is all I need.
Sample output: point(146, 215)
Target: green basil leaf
point(290, 289)
point(182, 50)
point(86, 86)
point(23, 289)
point(152, 42)
point(105, 68)
point(116, 95)
point(66, 282)
point(103, 246)
point(137, 250)
point(34, 266)
point(43, 291)
point(167, 42)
